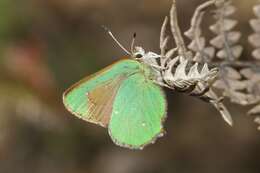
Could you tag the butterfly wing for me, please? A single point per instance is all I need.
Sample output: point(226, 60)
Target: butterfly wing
point(91, 99)
point(139, 110)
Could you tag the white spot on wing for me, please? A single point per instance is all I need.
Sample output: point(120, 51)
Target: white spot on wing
point(161, 135)
point(141, 148)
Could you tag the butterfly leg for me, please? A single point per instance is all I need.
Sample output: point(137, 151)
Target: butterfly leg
point(158, 67)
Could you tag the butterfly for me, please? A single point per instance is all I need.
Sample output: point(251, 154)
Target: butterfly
point(124, 97)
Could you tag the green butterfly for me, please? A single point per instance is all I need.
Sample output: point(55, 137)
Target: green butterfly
point(124, 98)
point(127, 98)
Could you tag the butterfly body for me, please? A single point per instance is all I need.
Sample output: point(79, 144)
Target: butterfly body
point(124, 98)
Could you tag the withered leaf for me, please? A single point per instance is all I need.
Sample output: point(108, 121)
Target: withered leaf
point(232, 73)
point(247, 72)
point(232, 38)
point(230, 84)
point(255, 24)
point(256, 10)
point(255, 110)
point(241, 98)
point(229, 10)
point(194, 45)
point(256, 54)
point(254, 39)
point(225, 25)
point(235, 50)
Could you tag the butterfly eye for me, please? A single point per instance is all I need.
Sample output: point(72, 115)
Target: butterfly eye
point(138, 55)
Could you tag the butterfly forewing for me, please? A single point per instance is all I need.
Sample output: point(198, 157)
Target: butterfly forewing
point(101, 100)
point(92, 98)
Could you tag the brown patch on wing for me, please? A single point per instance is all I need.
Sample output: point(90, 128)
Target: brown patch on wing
point(100, 101)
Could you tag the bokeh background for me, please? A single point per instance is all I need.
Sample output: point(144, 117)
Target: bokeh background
point(47, 45)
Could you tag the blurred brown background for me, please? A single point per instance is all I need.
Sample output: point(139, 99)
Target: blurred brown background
point(46, 45)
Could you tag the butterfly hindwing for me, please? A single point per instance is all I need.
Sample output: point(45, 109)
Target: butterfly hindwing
point(92, 98)
point(139, 110)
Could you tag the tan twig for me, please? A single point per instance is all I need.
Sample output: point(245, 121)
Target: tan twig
point(163, 37)
point(182, 50)
point(195, 21)
point(175, 73)
point(194, 33)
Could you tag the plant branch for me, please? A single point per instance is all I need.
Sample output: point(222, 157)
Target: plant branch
point(239, 64)
point(195, 19)
point(182, 50)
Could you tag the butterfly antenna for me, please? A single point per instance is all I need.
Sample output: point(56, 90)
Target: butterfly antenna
point(133, 43)
point(114, 38)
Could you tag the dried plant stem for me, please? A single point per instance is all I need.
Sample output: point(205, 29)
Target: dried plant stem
point(182, 50)
point(185, 55)
point(197, 13)
point(163, 43)
point(254, 77)
point(217, 102)
point(230, 56)
point(226, 39)
point(194, 33)
point(196, 26)
point(239, 80)
point(240, 64)
point(163, 38)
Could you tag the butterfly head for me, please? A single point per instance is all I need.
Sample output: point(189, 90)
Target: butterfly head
point(139, 53)
point(136, 52)
point(149, 58)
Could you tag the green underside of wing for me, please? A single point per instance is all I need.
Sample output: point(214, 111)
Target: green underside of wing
point(138, 106)
point(75, 98)
point(138, 111)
